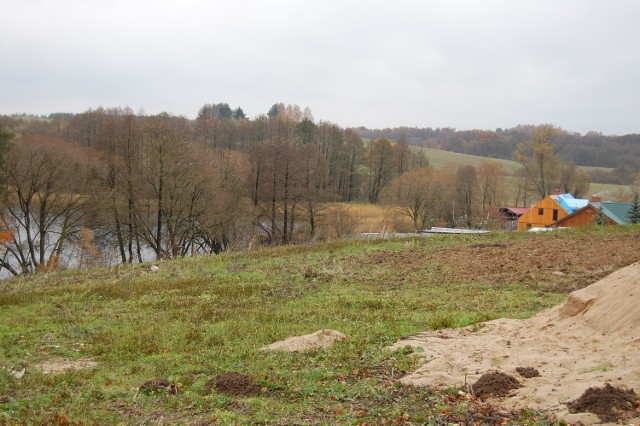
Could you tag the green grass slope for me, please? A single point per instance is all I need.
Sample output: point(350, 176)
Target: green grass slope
point(440, 158)
point(196, 318)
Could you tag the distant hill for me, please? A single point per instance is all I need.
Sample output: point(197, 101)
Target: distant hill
point(609, 159)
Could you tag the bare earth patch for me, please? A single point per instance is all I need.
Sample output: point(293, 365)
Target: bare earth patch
point(61, 365)
point(555, 264)
point(590, 340)
point(232, 383)
point(320, 339)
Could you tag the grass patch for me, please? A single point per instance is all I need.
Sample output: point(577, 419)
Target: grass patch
point(197, 318)
point(605, 366)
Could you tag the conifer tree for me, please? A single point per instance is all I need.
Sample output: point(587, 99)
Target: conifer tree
point(634, 212)
point(601, 219)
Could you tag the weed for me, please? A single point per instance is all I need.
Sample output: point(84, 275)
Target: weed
point(605, 366)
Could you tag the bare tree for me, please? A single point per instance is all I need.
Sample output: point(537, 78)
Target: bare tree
point(573, 180)
point(537, 157)
point(416, 194)
point(381, 167)
point(45, 200)
point(490, 185)
point(466, 192)
point(161, 151)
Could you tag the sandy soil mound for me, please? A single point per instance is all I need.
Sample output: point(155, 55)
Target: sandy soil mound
point(590, 340)
point(61, 365)
point(319, 339)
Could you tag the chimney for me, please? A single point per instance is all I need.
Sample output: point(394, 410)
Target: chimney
point(596, 199)
point(557, 191)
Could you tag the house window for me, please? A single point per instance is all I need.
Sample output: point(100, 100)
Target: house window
point(540, 212)
point(555, 214)
point(528, 226)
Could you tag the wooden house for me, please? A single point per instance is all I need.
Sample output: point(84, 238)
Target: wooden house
point(550, 210)
point(510, 216)
point(614, 214)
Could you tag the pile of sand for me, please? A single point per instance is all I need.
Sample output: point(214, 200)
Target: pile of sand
point(61, 365)
point(590, 340)
point(320, 339)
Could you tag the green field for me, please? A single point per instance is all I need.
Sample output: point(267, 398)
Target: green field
point(195, 318)
point(605, 189)
point(439, 158)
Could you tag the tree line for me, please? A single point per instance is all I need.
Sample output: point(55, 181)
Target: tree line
point(113, 183)
point(133, 184)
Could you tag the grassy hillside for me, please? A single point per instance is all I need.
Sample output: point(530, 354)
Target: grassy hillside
point(439, 158)
point(160, 338)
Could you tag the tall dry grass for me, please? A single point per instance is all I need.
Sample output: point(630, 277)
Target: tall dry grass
point(342, 219)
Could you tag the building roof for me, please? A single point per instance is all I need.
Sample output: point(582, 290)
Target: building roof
point(517, 210)
point(569, 203)
point(615, 211)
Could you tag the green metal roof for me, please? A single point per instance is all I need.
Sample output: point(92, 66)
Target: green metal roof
point(615, 211)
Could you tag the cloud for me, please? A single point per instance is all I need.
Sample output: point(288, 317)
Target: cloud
point(464, 64)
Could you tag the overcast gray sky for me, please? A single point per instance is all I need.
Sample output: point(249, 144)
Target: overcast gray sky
point(462, 63)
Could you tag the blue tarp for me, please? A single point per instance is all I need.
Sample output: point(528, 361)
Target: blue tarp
point(569, 203)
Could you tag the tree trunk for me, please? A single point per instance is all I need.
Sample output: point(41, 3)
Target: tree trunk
point(285, 204)
point(159, 214)
point(42, 232)
point(116, 215)
point(273, 200)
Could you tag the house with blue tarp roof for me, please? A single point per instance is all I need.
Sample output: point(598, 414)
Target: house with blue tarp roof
point(564, 210)
point(549, 210)
point(613, 214)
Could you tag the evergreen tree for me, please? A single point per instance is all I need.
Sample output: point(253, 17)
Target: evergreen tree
point(601, 219)
point(275, 110)
point(223, 111)
point(238, 114)
point(634, 212)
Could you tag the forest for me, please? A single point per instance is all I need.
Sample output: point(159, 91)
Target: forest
point(112, 185)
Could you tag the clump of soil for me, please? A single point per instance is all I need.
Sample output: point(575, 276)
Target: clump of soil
point(158, 386)
point(310, 273)
point(527, 372)
point(609, 403)
point(236, 384)
point(494, 383)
